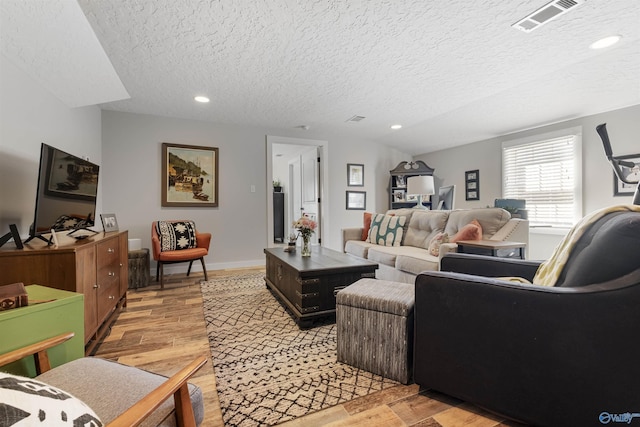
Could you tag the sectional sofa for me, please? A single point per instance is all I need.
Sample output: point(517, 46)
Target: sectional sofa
point(416, 242)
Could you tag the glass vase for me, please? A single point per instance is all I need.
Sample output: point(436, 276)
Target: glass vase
point(306, 247)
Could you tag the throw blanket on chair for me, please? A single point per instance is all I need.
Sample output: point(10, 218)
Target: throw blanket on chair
point(549, 271)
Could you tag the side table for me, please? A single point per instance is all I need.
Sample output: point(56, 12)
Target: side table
point(497, 248)
point(139, 268)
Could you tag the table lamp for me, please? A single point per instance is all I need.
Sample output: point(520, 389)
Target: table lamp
point(420, 186)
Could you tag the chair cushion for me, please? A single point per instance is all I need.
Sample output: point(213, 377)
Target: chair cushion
point(110, 388)
point(182, 255)
point(27, 401)
point(177, 235)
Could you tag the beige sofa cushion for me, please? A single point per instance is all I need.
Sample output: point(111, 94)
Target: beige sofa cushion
point(423, 226)
point(416, 261)
point(358, 248)
point(491, 220)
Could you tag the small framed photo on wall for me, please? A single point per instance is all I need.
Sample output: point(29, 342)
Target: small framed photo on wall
point(472, 185)
point(629, 173)
point(355, 175)
point(356, 200)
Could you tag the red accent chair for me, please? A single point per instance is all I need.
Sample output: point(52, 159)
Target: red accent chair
point(182, 255)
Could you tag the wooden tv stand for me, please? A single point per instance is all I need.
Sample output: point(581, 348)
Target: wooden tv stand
point(96, 267)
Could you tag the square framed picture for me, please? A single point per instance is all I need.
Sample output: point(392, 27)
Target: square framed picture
point(189, 175)
point(356, 200)
point(631, 173)
point(109, 222)
point(355, 175)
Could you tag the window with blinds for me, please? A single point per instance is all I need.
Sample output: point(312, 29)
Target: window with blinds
point(546, 173)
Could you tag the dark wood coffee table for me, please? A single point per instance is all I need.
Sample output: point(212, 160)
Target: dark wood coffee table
point(308, 285)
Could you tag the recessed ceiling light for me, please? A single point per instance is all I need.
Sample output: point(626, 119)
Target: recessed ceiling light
point(202, 99)
point(605, 42)
point(396, 127)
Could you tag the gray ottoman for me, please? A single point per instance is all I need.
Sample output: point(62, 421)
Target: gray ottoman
point(374, 320)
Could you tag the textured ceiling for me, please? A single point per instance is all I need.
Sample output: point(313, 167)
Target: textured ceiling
point(450, 72)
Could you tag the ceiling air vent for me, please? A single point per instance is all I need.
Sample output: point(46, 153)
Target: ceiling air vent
point(546, 13)
point(355, 119)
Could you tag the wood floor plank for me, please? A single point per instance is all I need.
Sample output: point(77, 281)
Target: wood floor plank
point(163, 330)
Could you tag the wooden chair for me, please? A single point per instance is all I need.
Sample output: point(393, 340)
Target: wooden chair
point(124, 382)
point(182, 255)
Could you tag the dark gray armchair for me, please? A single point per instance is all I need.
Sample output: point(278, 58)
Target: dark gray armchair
point(567, 355)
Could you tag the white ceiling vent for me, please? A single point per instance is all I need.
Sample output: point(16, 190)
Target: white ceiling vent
point(355, 119)
point(546, 13)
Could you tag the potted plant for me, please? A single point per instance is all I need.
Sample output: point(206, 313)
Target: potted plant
point(277, 186)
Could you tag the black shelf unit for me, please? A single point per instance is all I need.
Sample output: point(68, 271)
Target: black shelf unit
point(398, 183)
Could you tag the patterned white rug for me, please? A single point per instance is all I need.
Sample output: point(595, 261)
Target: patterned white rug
point(267, 370)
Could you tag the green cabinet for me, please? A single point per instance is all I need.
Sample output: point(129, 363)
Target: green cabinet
point(61, 312)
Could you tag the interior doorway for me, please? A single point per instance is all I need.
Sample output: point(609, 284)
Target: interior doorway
point(300, 167)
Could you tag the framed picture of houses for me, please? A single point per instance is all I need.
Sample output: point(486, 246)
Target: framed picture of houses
point(189, 175)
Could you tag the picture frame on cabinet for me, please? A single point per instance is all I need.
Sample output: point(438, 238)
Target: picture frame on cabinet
point(109, 222)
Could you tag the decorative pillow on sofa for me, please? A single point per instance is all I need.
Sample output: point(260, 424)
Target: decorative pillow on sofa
point(366, 225)
point(471, 231)
point(177, 235)
point(25, 401)
point(438, 239)
point(386, 230)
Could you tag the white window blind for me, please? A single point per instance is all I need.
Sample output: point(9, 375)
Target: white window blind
point(544, 173)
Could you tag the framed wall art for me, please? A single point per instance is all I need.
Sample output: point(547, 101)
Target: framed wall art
point(472, 185)
point(355, 175)
point(631, 173)
point(189, 175)
point(356, 200)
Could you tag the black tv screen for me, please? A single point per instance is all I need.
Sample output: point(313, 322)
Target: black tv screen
point(67, 192)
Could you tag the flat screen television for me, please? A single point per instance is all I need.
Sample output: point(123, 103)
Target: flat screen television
point(67, 193)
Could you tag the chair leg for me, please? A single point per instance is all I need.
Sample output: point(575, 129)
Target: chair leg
point(204, 268)
point(158, 271)
point(189, 269)
point(161, 276)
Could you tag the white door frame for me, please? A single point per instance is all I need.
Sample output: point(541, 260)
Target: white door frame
point(323, 152)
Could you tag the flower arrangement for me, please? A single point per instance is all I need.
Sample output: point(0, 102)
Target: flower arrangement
point(305, 226)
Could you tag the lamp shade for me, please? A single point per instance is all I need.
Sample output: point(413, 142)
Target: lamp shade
point(420, 185)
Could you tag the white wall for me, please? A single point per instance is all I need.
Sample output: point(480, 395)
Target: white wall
point(131, 178)
point(30, 115)
point(624, 131)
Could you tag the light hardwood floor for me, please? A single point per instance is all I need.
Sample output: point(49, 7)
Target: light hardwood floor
point(162, 330)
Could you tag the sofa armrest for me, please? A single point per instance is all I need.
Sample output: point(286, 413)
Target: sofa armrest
point(489, 266)
point(515, 230)
point(351, 233)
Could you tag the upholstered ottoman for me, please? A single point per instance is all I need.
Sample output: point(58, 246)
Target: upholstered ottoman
point(374, 320)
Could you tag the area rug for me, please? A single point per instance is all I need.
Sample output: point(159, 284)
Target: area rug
point(268, 370)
